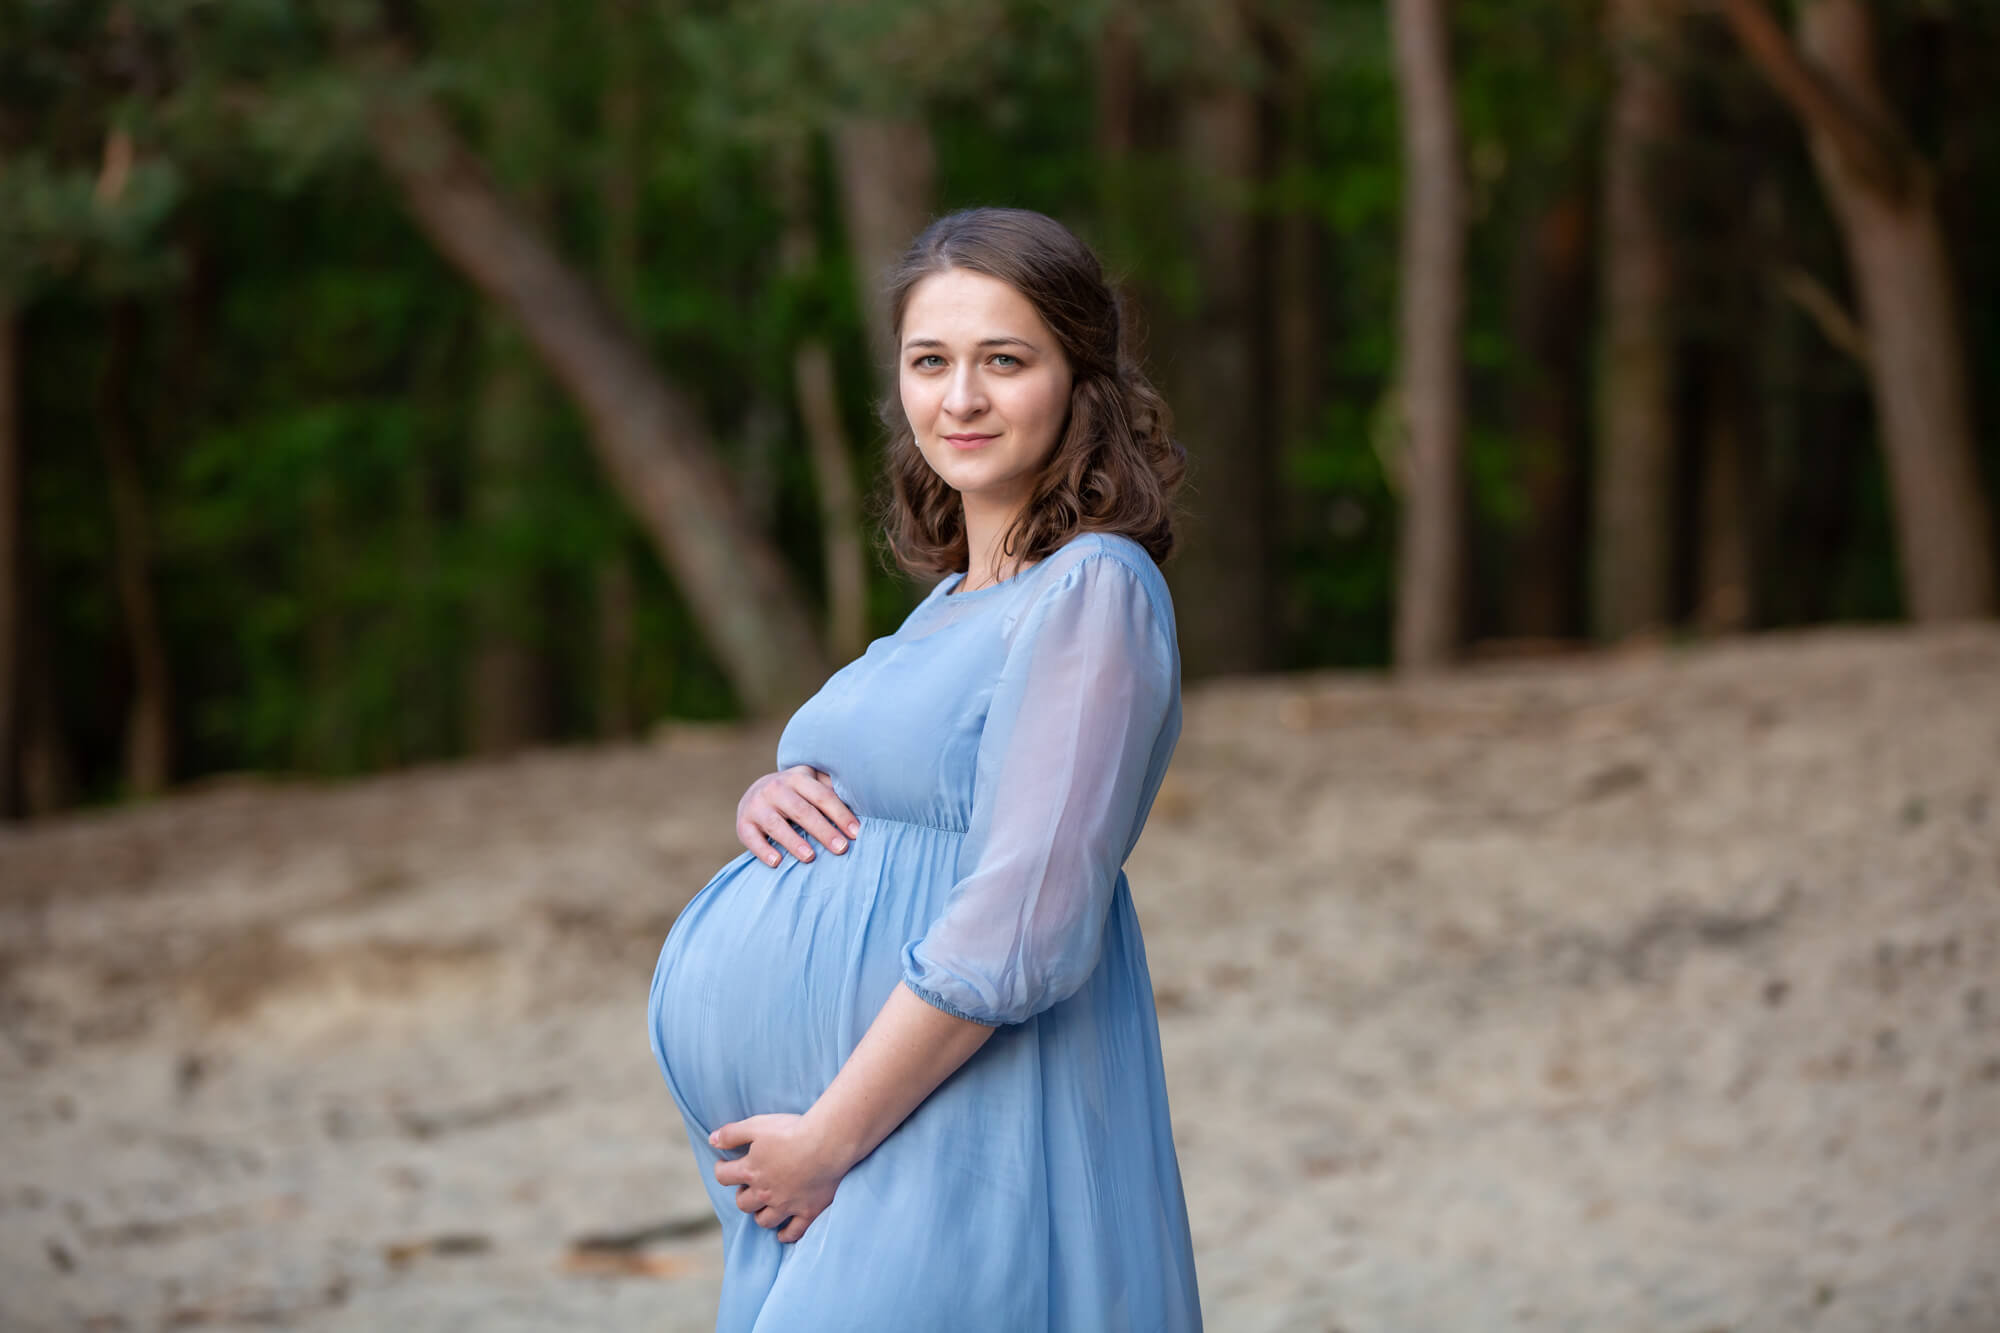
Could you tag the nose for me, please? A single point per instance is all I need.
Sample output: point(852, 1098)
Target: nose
point(964, 398)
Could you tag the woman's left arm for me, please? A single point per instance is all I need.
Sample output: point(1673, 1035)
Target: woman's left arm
point(1086, 704)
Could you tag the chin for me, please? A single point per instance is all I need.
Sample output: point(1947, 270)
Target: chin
point(962, 478)
point(981, 485)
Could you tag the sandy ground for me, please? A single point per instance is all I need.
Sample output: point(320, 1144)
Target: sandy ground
point(1657, 992)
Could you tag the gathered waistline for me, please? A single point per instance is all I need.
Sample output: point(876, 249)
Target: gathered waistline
point(913, 823)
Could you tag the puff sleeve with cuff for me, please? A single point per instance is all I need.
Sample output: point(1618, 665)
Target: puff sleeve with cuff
point(1090, 684)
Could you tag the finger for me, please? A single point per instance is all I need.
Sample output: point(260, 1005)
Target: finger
point(771, 818)
point(794, 1228)
point(820, 791)
point(770, 1217)
point(748, 1202)
point(740, 1133)
point(753, 837)
point(807, 816)
point(733, 1171)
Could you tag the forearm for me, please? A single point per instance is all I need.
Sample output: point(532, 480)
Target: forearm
point(908, 1050)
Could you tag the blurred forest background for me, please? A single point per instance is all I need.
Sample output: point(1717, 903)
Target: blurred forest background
point(392, 381)
point(389, 381)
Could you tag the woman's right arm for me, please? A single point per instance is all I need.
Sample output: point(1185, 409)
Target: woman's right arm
point(800, 795)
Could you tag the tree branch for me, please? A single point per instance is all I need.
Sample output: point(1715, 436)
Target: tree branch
point(1874, 152)
point(1824, 309)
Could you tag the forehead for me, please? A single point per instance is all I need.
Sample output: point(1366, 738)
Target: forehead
point(959, 303)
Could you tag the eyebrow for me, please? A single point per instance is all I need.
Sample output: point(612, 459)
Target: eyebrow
point(983, 342)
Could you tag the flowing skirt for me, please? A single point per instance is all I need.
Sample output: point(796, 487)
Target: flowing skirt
point(1037, 1188)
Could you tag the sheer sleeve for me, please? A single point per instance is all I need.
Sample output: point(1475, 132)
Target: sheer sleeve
point(1064, 777)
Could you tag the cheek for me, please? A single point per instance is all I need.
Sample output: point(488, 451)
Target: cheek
point(1048, 407)
point(918, 405)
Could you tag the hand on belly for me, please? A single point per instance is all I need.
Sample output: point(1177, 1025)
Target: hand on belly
point(786, 1179)
point(783, 807)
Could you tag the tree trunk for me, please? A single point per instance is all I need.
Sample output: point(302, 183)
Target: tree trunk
point(1119, 70)
point(1725, 278)
point(839, 499)
point(1431, 316)
point(505, 704)
point(40, 767)
point(427, 676)
point(1217, 367)
point(1787, 462)
point(647, 433)
point(1884, 198)
point(148, 730)
point(1120, 126)
point(818, 394)
point(622, 104)
point(324, 741)
point(888, 188)
point(1632, 566)
point(48, 768)
point(1297, 307)
point(1909, 306)
point(1726, 576)
point(1549, 318)
point(13, 478)
point(617, 640)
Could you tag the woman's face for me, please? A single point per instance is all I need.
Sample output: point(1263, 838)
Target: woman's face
point(985, 386)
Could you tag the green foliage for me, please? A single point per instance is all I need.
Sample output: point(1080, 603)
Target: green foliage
point(102, 230)
point(312, 395)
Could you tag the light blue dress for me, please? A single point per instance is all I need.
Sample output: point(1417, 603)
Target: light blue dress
point(1001, 750)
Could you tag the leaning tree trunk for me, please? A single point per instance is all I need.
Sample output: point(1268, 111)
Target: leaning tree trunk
point(1632, 573)
point(1885, 200)
point(647, 433)
point(1432, 304)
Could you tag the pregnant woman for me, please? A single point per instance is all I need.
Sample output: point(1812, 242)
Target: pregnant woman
point(911, 1029)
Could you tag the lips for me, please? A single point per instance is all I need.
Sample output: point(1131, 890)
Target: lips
point(969, 441)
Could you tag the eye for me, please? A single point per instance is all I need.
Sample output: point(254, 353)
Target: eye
point(925, 361)
point(1006, 361)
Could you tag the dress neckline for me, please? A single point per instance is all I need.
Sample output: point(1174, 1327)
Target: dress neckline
point(942, 592)
point(957, 576)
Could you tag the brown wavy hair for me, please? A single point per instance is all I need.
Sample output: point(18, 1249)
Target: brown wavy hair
point(1116, 465)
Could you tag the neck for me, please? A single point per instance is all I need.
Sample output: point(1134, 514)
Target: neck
point(985, 525)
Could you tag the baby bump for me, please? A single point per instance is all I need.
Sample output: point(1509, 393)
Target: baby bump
point(771, 974)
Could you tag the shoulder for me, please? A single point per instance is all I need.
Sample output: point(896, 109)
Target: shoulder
point(1089, 556)
point(1106, 568)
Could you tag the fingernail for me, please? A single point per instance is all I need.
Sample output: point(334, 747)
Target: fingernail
point(713, 1137)
point(840, 844)
point(808, 855)
point(854, 830)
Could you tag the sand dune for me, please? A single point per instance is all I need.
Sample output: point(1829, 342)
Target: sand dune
point(1645, 992)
